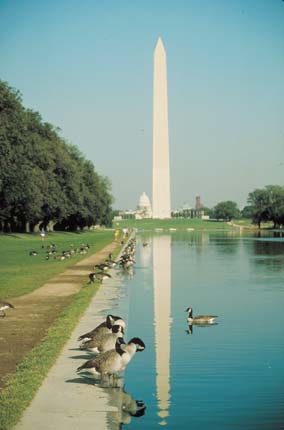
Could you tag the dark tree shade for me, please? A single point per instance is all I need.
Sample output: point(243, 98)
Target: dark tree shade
point(42, 178)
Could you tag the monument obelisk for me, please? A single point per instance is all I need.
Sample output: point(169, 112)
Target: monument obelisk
point(161, 164)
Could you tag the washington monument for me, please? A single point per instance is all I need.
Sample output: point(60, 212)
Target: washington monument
point(161, 164)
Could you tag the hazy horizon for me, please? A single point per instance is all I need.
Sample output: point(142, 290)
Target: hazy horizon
point(88, 69)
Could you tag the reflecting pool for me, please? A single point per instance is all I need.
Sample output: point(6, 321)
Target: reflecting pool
point(224, 376)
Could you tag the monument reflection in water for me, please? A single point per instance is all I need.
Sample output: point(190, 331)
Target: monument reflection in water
point(162, 321)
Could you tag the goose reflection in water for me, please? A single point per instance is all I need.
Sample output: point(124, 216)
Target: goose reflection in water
point(190, 326)
point(127, 406)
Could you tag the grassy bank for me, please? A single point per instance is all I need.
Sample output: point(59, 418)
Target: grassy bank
point(179, 224)
point(21, 387)
point(22, 273)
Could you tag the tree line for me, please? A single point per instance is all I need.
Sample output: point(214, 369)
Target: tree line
point(264, 205)
point(44, 181)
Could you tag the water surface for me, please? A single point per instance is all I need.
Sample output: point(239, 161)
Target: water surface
point(225, 376)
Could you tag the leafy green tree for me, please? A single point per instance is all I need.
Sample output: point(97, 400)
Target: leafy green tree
point(246, 212)
point(208, 211)
point(226, 210)
point(42, 178)
point(267, 204)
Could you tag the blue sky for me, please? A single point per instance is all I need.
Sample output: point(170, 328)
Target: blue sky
point(87, 67)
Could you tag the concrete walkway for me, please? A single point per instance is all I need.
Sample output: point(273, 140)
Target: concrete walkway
point(68, 401)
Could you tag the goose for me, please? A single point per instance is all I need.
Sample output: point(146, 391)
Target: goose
point(130, 349)
point(115, 360)
point(199, 319)
point(3, 306)
point(110, 259)
point(92, 278)
point(103, 328)
point(102, 267)
point(110, 263)
point(101, 276)
point(33, 253)
point(98, 276)
point(103, 342)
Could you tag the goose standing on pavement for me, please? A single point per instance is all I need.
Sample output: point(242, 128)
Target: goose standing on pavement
point(103, 342)
point(111, 362)
point(103, 328)
point(98, 276)
point(199, 319)
point(4, 306)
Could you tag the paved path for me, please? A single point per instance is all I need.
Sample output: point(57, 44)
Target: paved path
point(67, 401)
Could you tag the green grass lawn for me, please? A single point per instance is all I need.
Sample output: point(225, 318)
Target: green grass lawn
point(247, 223)
point(166, 224)
point(21, 273)
point(22, 385)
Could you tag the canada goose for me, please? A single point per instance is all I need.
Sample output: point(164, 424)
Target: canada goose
point(98, 276)
point(102, 267)
point(103, 328)
point(115, 360)
point(33, 253)
point(130, 348)
point(103, 342)
point(110, 260)
point(199, 319)
point(92, 277)
point(3, 306)
point(110, 263)
point(101, 276)
point(126, 261)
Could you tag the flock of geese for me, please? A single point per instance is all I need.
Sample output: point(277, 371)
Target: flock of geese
point(126, 261)
point(106, 340)
point(113, 354)
point(52, 251)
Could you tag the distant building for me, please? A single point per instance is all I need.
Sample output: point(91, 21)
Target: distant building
point(144, 209)
point(188, 213)
point(185, 211)
point(125, 214)
point(198, 204)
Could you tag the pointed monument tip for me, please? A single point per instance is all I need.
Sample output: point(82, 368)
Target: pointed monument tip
point(159, 43)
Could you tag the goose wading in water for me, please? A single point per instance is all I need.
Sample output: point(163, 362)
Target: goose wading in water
point(199, 319)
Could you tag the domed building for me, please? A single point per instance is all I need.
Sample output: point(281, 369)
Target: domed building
point(144, 209)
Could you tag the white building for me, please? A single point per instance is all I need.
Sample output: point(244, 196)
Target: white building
point(144, 209)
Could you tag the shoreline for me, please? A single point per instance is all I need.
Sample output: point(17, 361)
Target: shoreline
point(66, 400)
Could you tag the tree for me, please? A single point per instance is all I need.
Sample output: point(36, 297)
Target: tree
point(246, 212)
point(207, 211)
point(226, 210)
point(267, 204)
point(42, 178)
